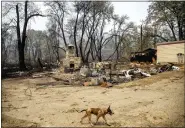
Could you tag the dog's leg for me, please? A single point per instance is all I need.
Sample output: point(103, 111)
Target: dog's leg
point(97, 118)
point(83, 118)
point(89, 116)
point(105, 120)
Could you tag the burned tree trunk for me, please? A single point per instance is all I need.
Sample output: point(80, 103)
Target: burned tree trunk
point(40, 64)
point(75, 30)
point(22, 65)
point(21, 43)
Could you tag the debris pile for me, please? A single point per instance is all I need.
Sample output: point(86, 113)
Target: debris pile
point(107, 77)
point(107, 74)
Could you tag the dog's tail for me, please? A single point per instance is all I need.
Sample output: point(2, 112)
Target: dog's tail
point(83, 110)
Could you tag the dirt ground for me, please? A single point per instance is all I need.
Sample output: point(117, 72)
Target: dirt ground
point(154, 101)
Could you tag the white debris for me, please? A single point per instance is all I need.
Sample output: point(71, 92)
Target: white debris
point(85, 71)
point(145, 74)
point(136, 71)
point(21, 73)
point(175, 68)
point(126, 73)
point(95, 73)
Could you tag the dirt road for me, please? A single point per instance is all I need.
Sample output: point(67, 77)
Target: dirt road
point(154, 101)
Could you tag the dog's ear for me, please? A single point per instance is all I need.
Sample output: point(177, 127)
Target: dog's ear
point(108, 108)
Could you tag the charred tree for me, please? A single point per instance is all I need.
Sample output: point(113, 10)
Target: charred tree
point(21, 39)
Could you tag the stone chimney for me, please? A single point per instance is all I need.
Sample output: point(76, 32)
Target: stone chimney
point(70, 51)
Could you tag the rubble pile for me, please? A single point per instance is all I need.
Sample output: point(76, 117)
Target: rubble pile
point(109, 75)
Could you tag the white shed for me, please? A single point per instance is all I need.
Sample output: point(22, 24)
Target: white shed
point(170, 52)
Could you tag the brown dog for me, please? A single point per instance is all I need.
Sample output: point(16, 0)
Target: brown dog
point(99, 112)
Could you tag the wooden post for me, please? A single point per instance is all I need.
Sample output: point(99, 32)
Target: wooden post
point(110, 74)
